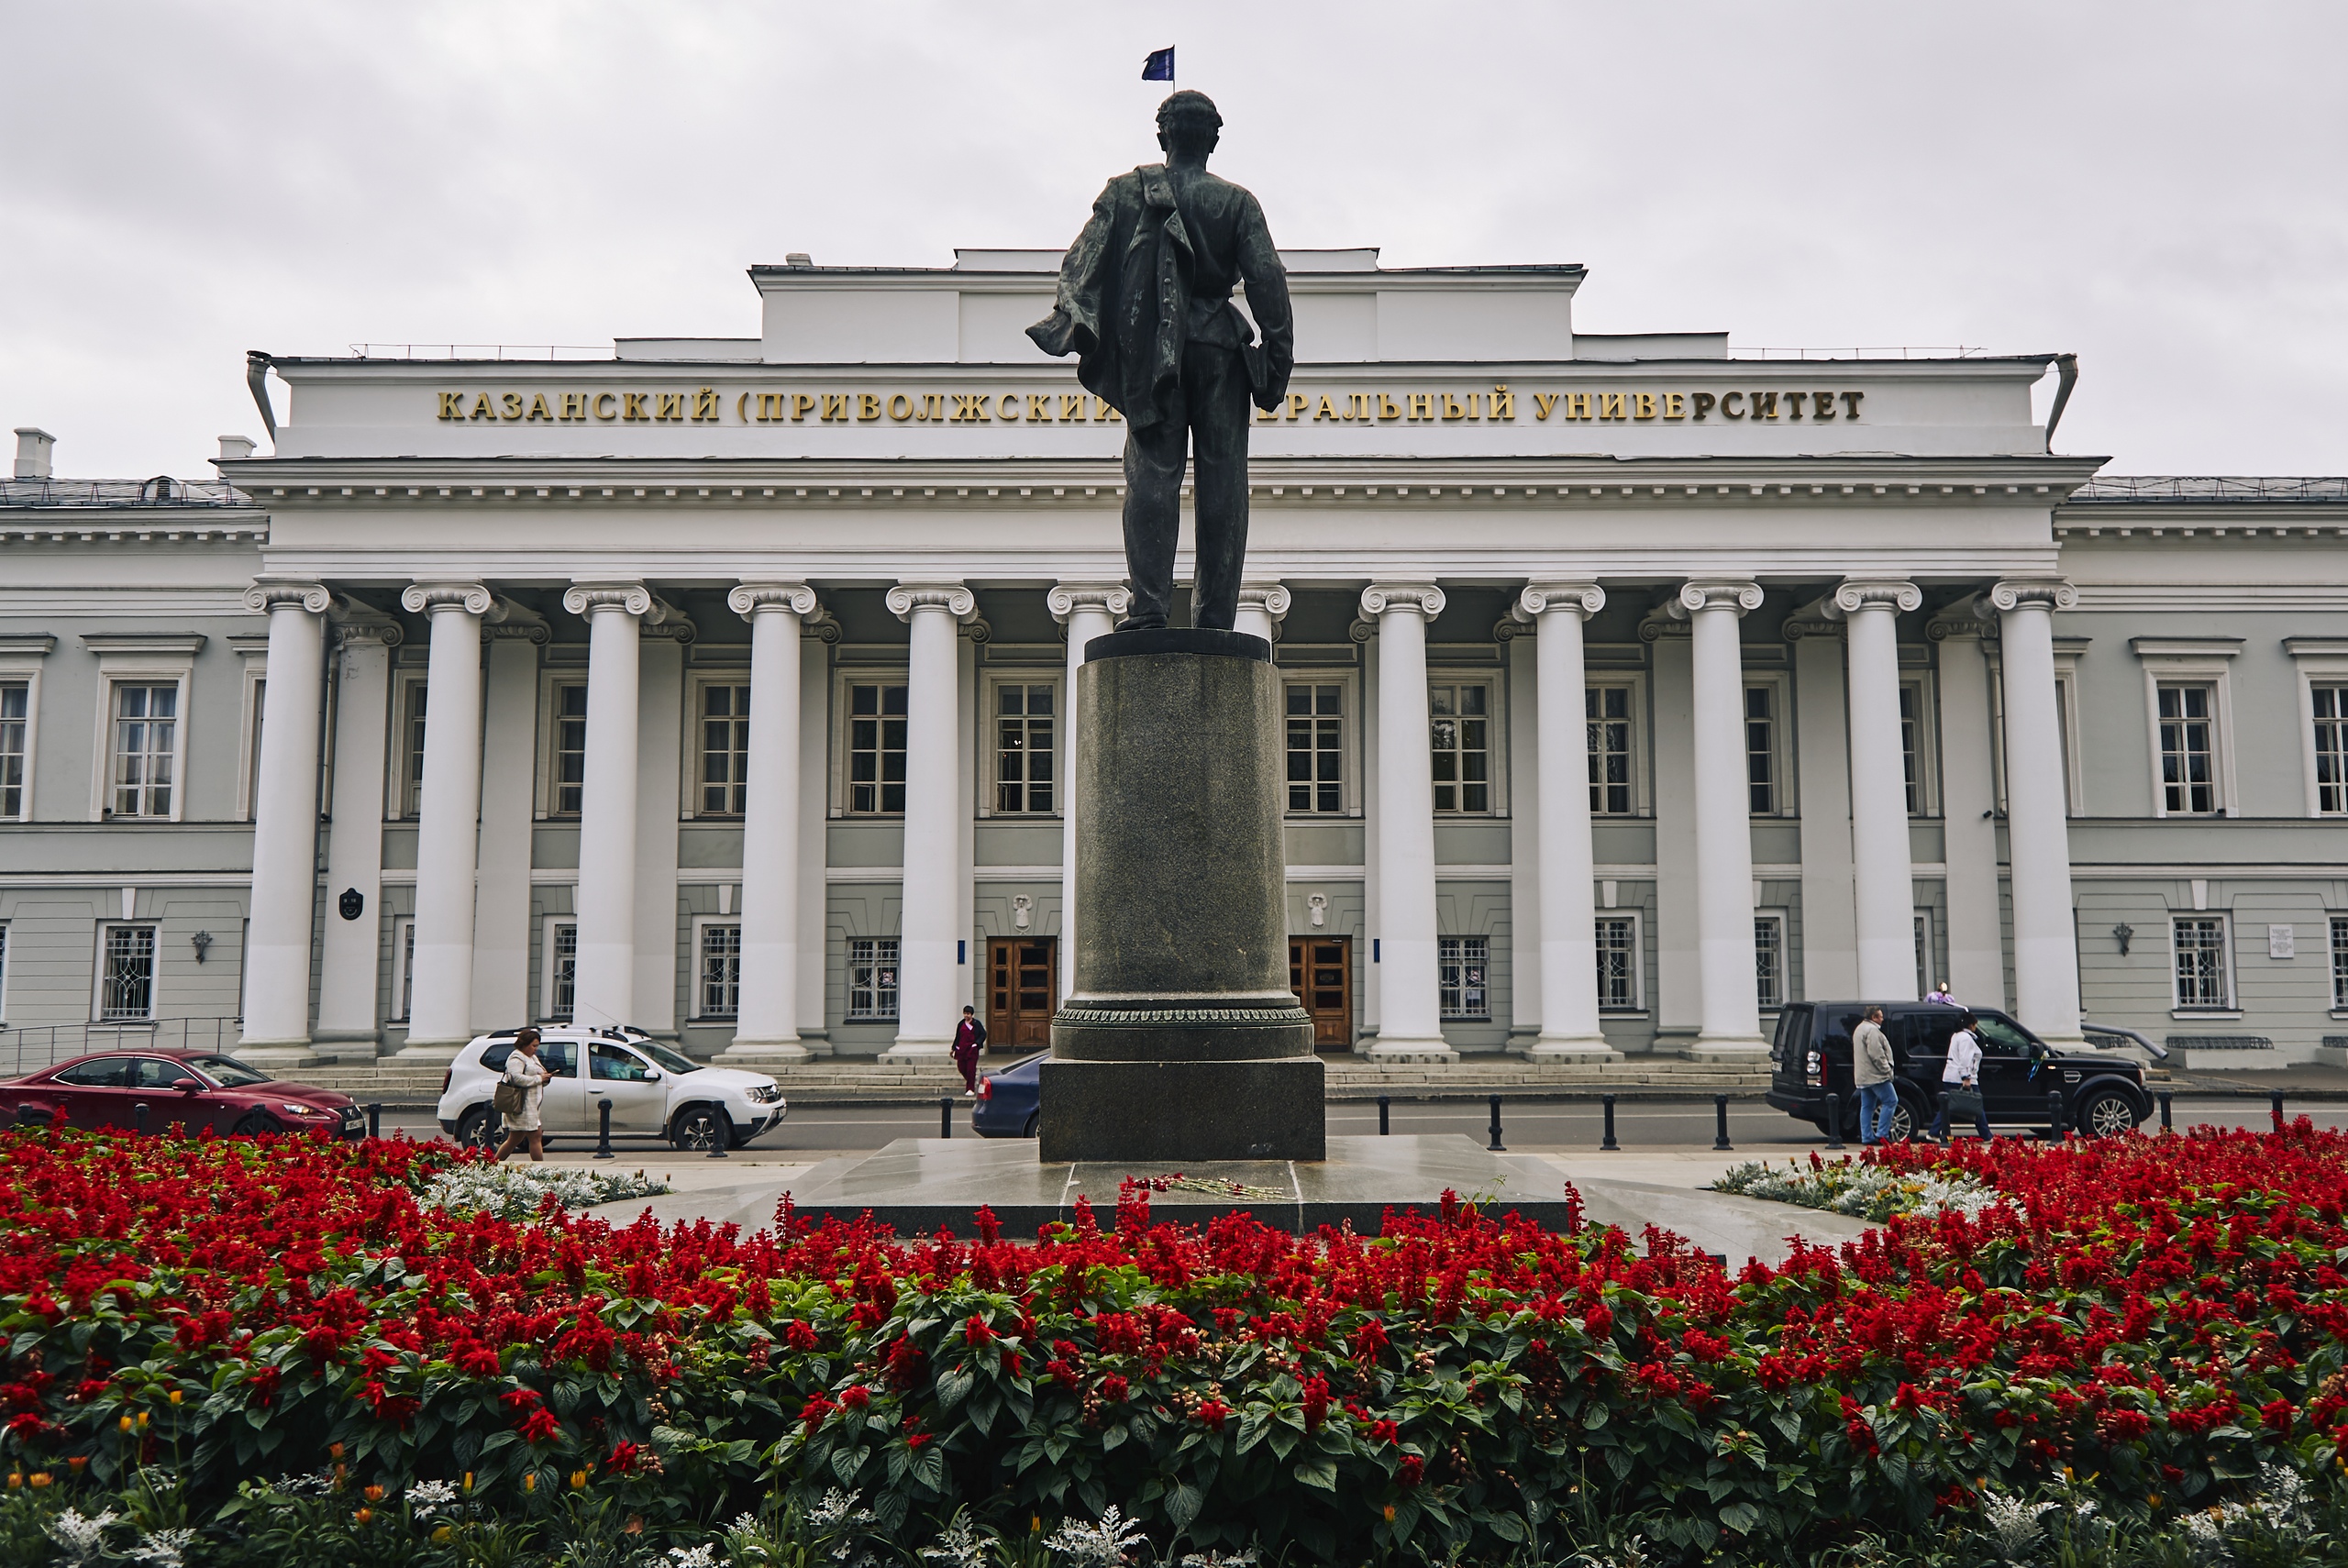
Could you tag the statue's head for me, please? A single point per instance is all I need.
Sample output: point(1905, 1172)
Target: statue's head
point(1188, 122)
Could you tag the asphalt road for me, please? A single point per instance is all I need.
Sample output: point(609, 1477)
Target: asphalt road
point(821, 1132)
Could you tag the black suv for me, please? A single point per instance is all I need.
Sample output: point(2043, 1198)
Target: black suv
point(1811, 1058)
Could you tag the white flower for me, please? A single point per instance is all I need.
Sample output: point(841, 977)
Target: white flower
point(164, 1547)
point(2014, 1525)
point(515, 1192)
point(428, 1498)
point(693, 1556)
point(958, 1546)
point(80, 1536)
point(1243, 1557)
point(1101, 1545)
point(839, 1508)
point(312, 1485)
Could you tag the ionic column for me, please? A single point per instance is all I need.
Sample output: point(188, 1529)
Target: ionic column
point(349, 989)
point(1570, 1029)
point(1730, 1001)
point(1883, 880)
point(286, 818)
point(2046, 955)
point(509, 766)
point(605, 994)
point(1262, 607)
point(1977, 938)
point(441, 989)
point(1409, 1002)
point(1087, 610)
point(927, 986)
point(768, 1025)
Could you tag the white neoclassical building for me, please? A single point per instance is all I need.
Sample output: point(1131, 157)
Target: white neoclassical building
point(1633, 688)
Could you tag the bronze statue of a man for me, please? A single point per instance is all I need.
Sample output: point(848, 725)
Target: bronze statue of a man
point(1144, 303)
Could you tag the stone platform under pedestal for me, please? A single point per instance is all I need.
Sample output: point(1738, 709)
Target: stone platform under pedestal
point(918, 1184)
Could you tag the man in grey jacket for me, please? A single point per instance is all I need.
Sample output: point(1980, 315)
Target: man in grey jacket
point(1871, 1070)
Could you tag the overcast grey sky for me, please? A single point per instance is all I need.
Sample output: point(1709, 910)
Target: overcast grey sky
point(2157, 186)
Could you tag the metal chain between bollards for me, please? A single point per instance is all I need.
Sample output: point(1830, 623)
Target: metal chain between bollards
point(603, 1130)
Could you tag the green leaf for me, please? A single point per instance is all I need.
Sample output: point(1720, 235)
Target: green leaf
point(953, 1387)
point(929, 1467)
point(1182, 1504)
point(1594, 1416)
point(1741, 1517)
point(1320, 1471)
point(1252, 1426)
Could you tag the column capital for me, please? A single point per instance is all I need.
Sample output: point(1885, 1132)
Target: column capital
point(510, 621)
point(1067, 598)
point(1424, 597)
point(268, 592)
point(748, 598)
point(1586, 598)
point(473, 598)
point(2031, 594)
point(956, 599)
point(1736, 594)
point(628, 598)
point(1857, 593)
point(1272, 598)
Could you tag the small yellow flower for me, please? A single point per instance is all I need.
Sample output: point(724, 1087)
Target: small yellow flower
point(529, 1480)
point(468, 1480)
point(1390, 1513)
point(443, 1535)
point(142, 1420)
point(372, 1494)
point(578, 1480)
point(175, 1396)
point(1035, 1524)
point(38, 1479)
point(79, 1462)
point(364, 1516)
point(125, 1423)
point(16, 1479)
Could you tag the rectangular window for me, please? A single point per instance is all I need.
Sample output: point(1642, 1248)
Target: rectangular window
point(721, 970)
point(1761, 750)
point(1910, 699)
point(2331, 748)
point(1023, 748)
point(872, 976)
point(402, 967)
point(724, 750)
point(569, 748)
point(876, 753)
point(2188, 755)
point(126, 972)
point(2339, 962)
point(1618, 963)
point(2200, 944)
point(15, 714)
point(1460, 725)
point(4, 968)
point(1462, 963)
point(1316, 747)
point(1769, 960)
point(1924, 952)
point(411, 753)
point(146, 741)
point(252, 753)
point(562, 970)
point(1609, 711)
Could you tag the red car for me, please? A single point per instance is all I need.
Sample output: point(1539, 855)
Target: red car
point(174, 1092)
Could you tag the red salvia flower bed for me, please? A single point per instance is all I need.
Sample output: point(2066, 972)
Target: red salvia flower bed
point(2161, 1315)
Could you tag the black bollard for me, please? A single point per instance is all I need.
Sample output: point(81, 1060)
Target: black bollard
point(1835, 1121)
point(945, 1116)
point(1948, 1128)
point(722, 1136)
point(2168, 1122)
point(2274, 1103)
point(603, 1130)
point(375, 1120)
point(1606, 1144)
point(1495, 1144)
point(139, 1119)
point(2054, 1113)
point(1385, 1104)
point(1720, 1122)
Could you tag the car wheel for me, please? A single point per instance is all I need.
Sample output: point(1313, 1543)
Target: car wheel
point(478, 1128)
point(1029, 1130)
point(253, 1123)
point(699, 1127)
point(2106, 1115)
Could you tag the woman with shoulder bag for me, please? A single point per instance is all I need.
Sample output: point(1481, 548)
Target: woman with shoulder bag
point(1961, 1083)
point(520, 1094)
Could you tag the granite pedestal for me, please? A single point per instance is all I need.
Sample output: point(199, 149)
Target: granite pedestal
point(1179, 1039)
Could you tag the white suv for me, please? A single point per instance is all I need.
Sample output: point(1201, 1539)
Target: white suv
point(654, 1091)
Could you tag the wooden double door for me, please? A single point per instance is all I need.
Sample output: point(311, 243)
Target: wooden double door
point(1320, 973)
point(1022, 974)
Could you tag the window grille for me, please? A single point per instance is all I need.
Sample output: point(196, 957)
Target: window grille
point(872, 977)
point(1316, 747)
point(1769, 960)
point(876, 750)
point(2340, 963)
point(1462, 961)
point(2200, 943)
point(724, 750)
point(1618, 961)
point(1460, 726)
point(126, 983)
point(562, 972)
point(721, 970)
point(146, 735)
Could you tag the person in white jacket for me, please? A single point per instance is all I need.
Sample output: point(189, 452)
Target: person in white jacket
point(1963, 1071)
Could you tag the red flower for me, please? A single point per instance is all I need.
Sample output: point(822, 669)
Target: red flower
point(1113, 1389)
point(1370, 1341)
point(540, 1426)
point(854, 1399)
point(800, 1335)
point(624, 1458)
point(1316, 1403)
point(1213, 1414)
point(521, 1398)
point(1412, 1470)
point(976, 1332)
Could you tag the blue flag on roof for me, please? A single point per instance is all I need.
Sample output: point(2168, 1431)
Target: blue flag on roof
point(1159, 66)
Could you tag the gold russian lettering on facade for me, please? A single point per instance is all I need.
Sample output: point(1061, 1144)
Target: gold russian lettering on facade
point(1039, 407)
point(1071, 407)
point(867, 406)
point(1703, 404)
point(1504, 404)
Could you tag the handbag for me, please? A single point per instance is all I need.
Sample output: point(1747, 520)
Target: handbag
point(1963, 1102)
point(507, 1100)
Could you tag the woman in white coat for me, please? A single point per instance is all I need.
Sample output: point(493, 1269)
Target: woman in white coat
point(1963, 1071)
point(524, 1072)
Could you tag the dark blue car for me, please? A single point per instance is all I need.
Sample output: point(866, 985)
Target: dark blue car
point(1007, 1101)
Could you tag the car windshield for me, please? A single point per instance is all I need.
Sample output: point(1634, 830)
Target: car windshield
point(226, 1071)
point(666, 1059)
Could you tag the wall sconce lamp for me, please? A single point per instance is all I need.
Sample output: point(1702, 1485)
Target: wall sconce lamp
point(1320, 908)
point(202, 942)
point(1021, 908)
point(2120, 934)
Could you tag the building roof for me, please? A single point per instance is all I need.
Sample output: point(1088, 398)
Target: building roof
point(2201, 490)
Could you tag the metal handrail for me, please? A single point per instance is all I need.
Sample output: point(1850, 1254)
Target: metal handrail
point(150, 492)
point(1892, 351)
point(514, 351)
point(26, 1051)
point(2158, 1053)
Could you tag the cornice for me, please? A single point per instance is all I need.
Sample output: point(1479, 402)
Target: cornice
point(28, 527)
